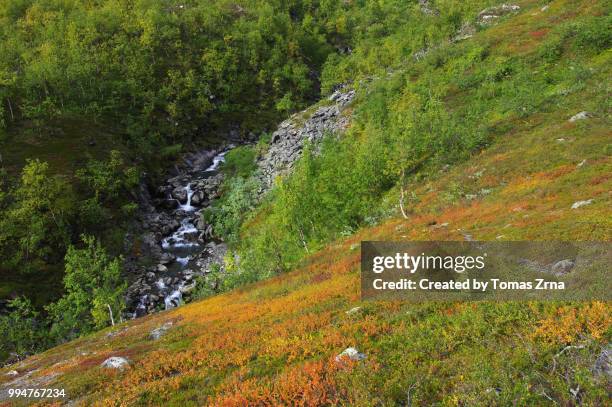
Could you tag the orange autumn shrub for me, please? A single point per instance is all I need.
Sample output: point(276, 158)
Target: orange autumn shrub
point(311, 384)
point(568, 323)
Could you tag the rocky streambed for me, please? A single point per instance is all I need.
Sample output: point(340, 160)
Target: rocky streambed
point(171, 245)
point(174, 245)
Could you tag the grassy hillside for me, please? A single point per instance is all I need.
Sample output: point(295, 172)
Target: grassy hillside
point(274, 342)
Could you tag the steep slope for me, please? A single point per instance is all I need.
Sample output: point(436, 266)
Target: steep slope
point(275, 342)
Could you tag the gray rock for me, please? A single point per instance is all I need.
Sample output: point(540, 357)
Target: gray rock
point(491, 14)
point(353, 310)
point(186, 289)
point(427, 8)
point(115, 362)
point(197, 198)
point(580, 116)
point(579, 204)
point(161, 268)
point(159, 332)
point(562, 267)
point(167, 258)
point(12, 373)
point(288, 140)
point(169, 227)
point(200, 224)
point(603, 363)
point(180, 193)
point(352, 354)
point(466, 31)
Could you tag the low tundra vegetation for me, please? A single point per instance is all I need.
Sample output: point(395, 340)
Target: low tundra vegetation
point(475, 136)
point(527, 75)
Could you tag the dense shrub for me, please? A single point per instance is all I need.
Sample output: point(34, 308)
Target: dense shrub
point(94, 292)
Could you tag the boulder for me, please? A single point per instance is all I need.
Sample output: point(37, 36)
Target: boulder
point(489, 15)
point(603, 363)
point(580, 116)
point(352, 354)
point(200, 224)
point(167, 258)
point(353, 311)
point(180, 193)
point(579, 204)
point(115, 362)
point(562, 267)
point(159, 332)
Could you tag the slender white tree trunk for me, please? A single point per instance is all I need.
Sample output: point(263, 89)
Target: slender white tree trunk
point(402, 197)
point(110, 311)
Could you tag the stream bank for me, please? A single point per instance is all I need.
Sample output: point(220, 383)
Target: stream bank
point(173, 245)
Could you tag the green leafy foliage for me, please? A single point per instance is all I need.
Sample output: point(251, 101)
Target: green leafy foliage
point(36, 222)
point(228, 213)
point(94, 289)
point(162, 67)
point(239, 162)
point(412, 121)
point(108, 178)
point(21, 330)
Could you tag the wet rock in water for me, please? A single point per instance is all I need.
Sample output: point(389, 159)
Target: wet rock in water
point(562, 267)
point(580, 116)
point(169, 227)
point(603, 363)
point(579, 204)
point(198, 198)
point(352, 354)
point(161, 268)
point(180, 193)
point(116, 362)
point(200, 224)
point(159, 332)
point(191, 236)
point(167, 258)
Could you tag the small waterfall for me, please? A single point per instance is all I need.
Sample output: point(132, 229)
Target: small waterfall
point(187, 207)
point(182, 244)
point(160, 284)
point(180, 238)
point(141, 308)
point(217, 160)
point(174, 299)
point(183, 260)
